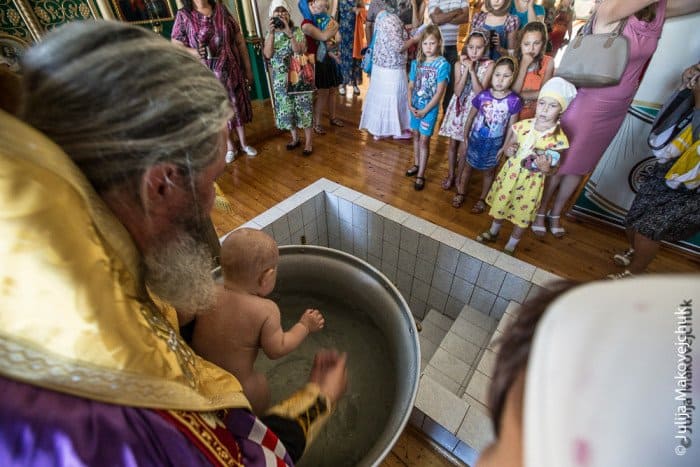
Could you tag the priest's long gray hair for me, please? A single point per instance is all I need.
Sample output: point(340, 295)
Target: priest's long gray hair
point(118, 99)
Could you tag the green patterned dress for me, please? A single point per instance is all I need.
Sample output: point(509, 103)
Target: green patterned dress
point(290, 110)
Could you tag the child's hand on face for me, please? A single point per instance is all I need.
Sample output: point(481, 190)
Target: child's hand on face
point(526, 61)
point(312, 319)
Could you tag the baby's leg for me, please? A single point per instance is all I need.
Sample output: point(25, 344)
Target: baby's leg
point(258, 392)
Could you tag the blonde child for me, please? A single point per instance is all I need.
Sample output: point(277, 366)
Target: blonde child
point(471, 75)
point(533, 150)
point(243, 321)
point(493, 113)
point(427, 81)
point(535, 68)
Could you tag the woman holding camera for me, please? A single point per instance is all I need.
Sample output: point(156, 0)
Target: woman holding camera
point(211, 33)
point(292, 111)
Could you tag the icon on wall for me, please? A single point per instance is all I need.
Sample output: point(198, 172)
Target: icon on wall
point(11, 50)
point(143, 11)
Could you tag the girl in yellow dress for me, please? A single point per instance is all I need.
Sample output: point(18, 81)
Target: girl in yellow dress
point(533, 152)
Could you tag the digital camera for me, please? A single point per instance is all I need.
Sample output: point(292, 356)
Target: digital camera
point(277, 23)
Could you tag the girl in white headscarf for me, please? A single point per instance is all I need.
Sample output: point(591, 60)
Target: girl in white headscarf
point(600, 377)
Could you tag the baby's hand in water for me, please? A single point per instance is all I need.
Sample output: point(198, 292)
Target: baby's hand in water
point(313, 320)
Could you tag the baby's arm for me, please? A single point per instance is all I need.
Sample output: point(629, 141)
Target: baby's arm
point(276, 343)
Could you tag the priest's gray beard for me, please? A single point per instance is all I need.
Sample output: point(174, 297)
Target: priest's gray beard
point(180, 272)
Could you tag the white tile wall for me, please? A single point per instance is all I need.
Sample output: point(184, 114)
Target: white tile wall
point(461, 288)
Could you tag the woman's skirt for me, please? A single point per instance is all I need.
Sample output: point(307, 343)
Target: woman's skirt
point(327, 74)
point(661, 213)
point(385, 111)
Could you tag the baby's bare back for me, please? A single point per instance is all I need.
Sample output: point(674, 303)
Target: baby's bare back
point(230, 334)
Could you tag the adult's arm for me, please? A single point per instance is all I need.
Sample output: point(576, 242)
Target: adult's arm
point(315, 33)
point(461, 17)
point(243, 52)
point(439, 17)
point(178, 33)
point(611, 11)
point(298, 419)
point(681, 7)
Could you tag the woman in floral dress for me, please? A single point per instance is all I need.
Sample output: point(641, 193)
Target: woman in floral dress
point(292, 111)
point(212, 34)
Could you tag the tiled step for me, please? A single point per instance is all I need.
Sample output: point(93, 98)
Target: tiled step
point(434, 328)
point(453, 390)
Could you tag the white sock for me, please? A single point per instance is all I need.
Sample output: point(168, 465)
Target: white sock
point(495, 228)
point(512, 243)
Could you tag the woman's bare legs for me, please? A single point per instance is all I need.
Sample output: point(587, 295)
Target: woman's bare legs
point(645, 250)
point(567, 187)
point(551, 184)
point(321, 102)
point(331, 102)
point(308, 139)
point(240, 131)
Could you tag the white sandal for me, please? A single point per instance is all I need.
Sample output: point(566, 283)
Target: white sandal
point(558, 232)
point(538, 230)
point(624, 259)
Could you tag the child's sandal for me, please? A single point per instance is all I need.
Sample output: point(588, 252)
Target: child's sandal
point(447, 183)
point(419, 184)
point(412, 171)
point(478, 207)
point(458, 201)
point(486, 237)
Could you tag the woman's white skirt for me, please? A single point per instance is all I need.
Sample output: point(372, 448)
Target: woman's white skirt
point(385, 111)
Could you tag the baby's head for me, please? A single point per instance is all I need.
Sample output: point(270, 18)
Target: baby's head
point(318, 6)
point(249, 259)
point(554, 98)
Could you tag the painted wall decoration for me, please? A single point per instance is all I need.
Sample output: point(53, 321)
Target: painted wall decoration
point(13, 20)
point(28, 20)
point(52, 13)
point(11, 50)
point(143, 11)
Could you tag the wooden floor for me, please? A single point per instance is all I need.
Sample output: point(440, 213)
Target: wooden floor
point(352, 158)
